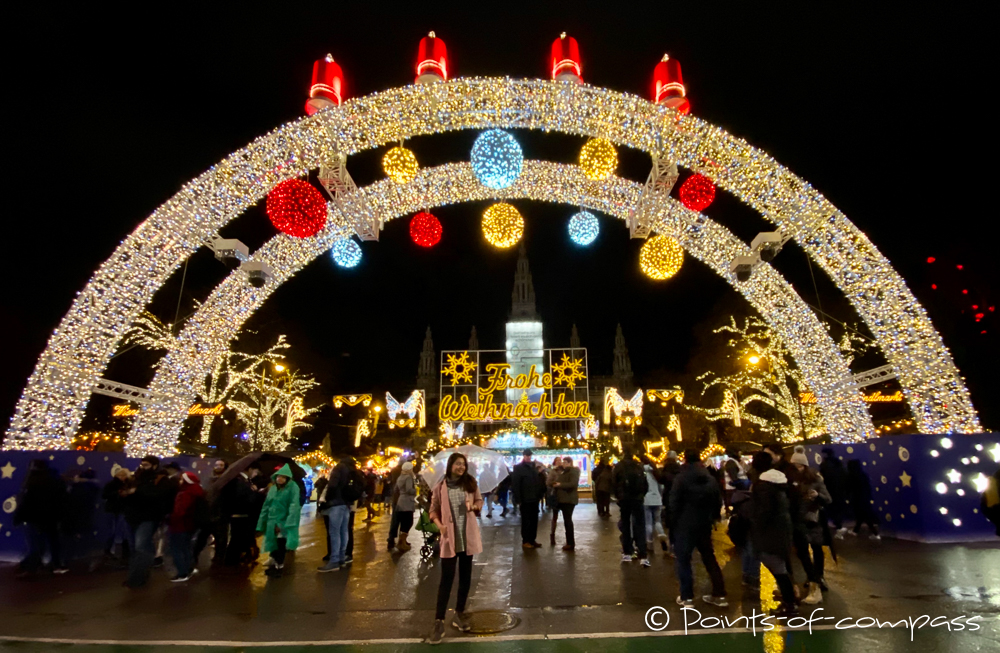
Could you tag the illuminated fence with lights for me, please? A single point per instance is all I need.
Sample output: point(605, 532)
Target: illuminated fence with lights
point(52, 405)
point(925, 487)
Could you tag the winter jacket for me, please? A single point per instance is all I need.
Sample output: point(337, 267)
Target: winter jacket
point(808, 520)
point(835, 478)
point(667, 476)
point(190, 505)
point(282, 511)
point(407, 486)
point(602, 478)
point(569, 484)
point(241, 497)
point(695, 500)
point(441, 512)
point(771, 521)
point(630, 481)
point(43, 500)
point(859, 488)
point(82, 501)
point(152, 500)
point(527, 483)
point(654, 495)
point(114, 501)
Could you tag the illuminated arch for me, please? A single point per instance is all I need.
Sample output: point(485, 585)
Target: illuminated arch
point(208, 334)
point(58, 390)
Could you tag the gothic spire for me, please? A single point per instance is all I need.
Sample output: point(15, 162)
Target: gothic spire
point(523, 297)
point(574, 339)
point(622, 365)
point(427, 371)
point(473, 340)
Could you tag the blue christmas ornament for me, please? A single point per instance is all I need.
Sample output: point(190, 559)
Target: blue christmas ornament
point(583, 228)
point(496, 159)
point(346, 253)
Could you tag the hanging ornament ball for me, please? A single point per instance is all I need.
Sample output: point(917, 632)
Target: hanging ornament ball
point(400, 164)
point(697, 192)
point(598, 158)
point(503, 225)
point(346, 253)
point(583, 228)
point(296, 208)
point(425, 229)
point(661, 257)
point(496, 159)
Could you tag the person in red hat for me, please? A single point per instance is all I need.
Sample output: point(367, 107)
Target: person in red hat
point(190, 511)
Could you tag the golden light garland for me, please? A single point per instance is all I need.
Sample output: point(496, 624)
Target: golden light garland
point(55, 398)
point(503, 225)
point(598, 158)
point(661, 257)
point(400, 164)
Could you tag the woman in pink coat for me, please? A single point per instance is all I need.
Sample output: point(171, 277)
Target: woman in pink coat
point(455, 507)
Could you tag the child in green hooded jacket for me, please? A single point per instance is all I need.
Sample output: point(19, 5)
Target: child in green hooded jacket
point(279, 519)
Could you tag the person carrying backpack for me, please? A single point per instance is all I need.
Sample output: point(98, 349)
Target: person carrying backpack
point(630, 489)
point(343, 489)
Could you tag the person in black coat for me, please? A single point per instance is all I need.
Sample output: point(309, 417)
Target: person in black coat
point(631, 486)
point(528, 487)
point(82, 500)
point(670, 470)
point(835, 477)
point(149, 501)
point(695, 505)
point(41, 507)
point(859, 493)
point(771, 526)
point(114, 495)
point(240, 500)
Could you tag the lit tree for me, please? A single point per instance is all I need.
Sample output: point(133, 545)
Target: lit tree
point(150, 332)
point(765, 387)
point(271, 407)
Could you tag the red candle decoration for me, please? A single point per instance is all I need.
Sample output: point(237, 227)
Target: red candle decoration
point(697, 192)
point(425, 229)
point(296, 208)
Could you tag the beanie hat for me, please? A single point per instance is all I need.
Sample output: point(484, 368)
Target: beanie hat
point(799, 457)
point(672, 455)
point(407, 466)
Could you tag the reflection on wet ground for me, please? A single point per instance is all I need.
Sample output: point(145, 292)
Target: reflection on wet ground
point(554, 594)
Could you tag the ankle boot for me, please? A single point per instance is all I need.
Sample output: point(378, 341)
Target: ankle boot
point(402, 544)
point(815, 595)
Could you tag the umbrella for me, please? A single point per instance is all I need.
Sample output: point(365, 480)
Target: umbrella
point(269, 463)
point(485, 465)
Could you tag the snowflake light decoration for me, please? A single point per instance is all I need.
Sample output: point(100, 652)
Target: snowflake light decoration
point(568, 371)
point(460, 368)
point(496, 159)
point(346, 253)
point(583, 228)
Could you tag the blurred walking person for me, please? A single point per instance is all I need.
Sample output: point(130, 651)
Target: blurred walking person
point(402, 513)
point(40, 508)
point(835, 477)
point(114, 494)
point(771, 527)
point(149, 501)
point(809, 534)
point(455, 506)
point(601, 480)
point(695, 505)
point(653, 505)
point(551, 499)
point(191, 512)
point(528, 487)
point(859, 493)
point(630, 490)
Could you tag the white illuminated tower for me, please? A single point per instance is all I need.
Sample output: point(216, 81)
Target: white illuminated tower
point(524, 330)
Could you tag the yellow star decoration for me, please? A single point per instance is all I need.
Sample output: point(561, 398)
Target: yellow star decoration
point(7, 470)
point(905, 478)
point(459, 368)
point(568, 371)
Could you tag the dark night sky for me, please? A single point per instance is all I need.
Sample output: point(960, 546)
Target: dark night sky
point(883, 110)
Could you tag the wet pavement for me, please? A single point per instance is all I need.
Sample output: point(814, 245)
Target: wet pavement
point(584, 600)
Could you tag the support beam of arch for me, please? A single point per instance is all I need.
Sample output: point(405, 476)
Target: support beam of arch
point(208, 334)
point(57, 393)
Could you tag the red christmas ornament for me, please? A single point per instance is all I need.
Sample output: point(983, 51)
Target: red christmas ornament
point(931, 259)
point(296, 208)
point(697, 192)
point(425, 229)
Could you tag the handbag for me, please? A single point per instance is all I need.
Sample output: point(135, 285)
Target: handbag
point(425, 525)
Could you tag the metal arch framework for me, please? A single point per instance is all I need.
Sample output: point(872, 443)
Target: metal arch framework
point(58, 390)
point(207, 335)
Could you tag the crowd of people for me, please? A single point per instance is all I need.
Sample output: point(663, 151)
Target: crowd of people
point(774, 508)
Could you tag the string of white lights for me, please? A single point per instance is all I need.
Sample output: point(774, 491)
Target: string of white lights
point(209, 332)
point(53, 402)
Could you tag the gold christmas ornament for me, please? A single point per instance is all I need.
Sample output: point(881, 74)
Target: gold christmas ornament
point(598, 158)
point(661, 257)
point(503, 225)
point(400, 164)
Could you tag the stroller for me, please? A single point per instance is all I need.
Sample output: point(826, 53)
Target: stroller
point(430, 531)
